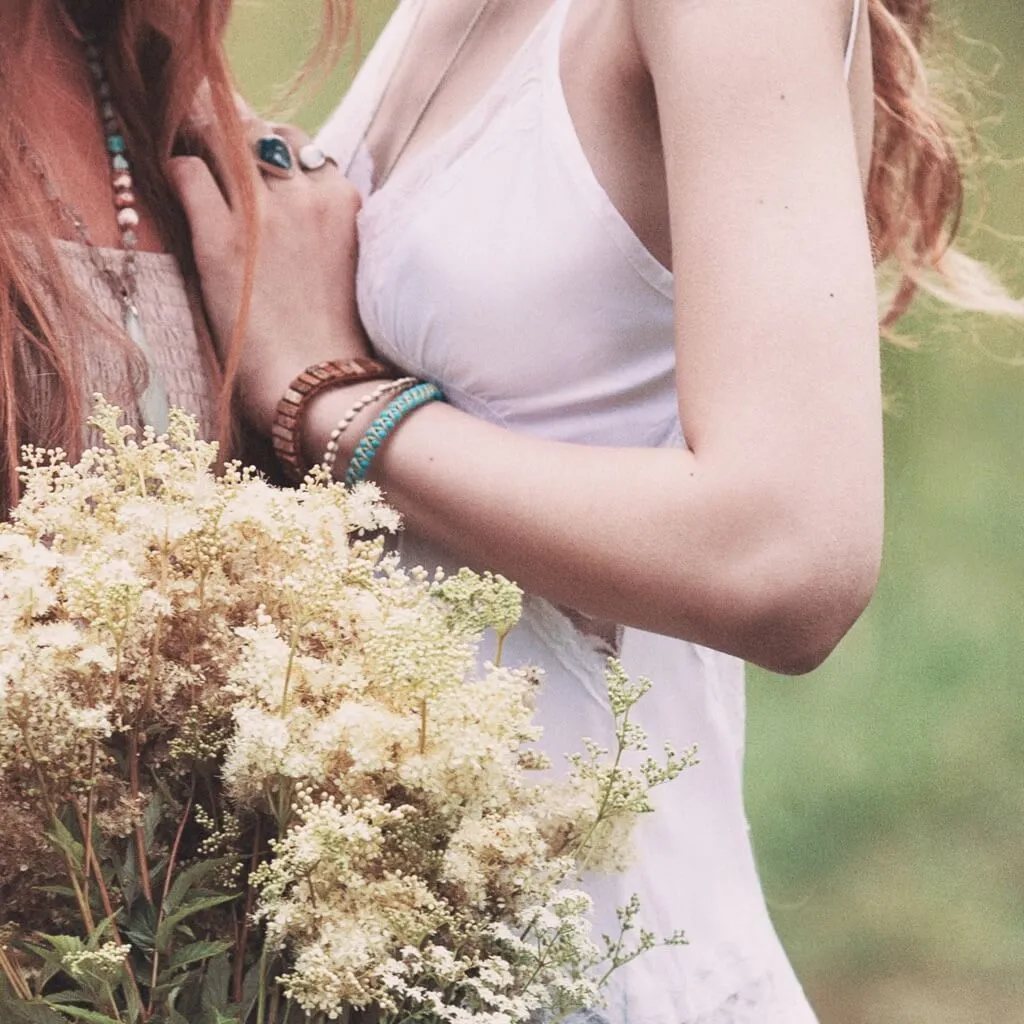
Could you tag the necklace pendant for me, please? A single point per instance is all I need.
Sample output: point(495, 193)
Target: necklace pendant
point(154, 406)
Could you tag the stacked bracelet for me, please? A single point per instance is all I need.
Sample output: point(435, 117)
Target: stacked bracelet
point(310, 383)
point(381, 428)
point(389, 387)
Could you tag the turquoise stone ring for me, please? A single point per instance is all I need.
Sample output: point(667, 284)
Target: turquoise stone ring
point(274, 156)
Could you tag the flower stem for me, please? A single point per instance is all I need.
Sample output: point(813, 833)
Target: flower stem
point(581, 846)
point(293, 647)
point(140, 838)
point(90, 810)
point(154, 655)
point(261, 997)
point(243, 936)
point(51, 810)
point(14, 976)
point(108, 910)
point(113, 1003)
point(171, 863)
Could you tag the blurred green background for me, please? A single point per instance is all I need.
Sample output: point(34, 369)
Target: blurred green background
point(886, 791)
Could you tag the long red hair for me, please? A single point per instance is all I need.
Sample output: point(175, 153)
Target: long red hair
point(161, 53)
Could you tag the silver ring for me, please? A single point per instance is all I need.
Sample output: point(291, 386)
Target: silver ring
point(274, 156)
point(313, 158)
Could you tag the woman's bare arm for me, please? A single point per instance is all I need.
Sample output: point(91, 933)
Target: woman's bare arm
point(764, 538)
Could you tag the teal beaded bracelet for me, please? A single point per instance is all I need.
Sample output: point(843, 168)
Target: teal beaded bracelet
point(380, 429)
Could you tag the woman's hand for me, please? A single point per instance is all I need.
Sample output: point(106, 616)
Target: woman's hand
point(299, 280)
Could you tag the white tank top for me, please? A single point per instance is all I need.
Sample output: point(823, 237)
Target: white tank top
point(494, 263)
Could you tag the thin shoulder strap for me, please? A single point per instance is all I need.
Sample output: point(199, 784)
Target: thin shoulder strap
point(344, 131)
point(851, 41)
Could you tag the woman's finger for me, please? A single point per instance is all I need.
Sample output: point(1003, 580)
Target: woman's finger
point(204, 135)
point(209, 215)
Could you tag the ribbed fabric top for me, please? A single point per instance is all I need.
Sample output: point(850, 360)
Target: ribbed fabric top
point(167, 318)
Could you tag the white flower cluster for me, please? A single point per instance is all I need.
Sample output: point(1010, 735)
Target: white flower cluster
point(420, 863)
point(103, 965)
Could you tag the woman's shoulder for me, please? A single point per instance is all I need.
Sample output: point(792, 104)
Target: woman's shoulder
point(345, 128)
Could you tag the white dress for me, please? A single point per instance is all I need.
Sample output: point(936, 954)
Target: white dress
point(495, 264)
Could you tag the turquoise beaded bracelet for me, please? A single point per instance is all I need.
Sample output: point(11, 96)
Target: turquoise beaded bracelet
point(380, 429)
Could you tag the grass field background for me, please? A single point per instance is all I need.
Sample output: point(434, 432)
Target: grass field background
point(886, 791)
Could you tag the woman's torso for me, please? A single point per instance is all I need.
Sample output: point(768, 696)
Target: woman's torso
point(495, 262)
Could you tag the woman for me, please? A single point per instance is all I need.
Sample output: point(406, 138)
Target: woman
point(601, 228)
point(759, 539)
point(97, 286)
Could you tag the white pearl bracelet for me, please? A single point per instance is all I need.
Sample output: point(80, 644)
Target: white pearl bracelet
point(389, 387)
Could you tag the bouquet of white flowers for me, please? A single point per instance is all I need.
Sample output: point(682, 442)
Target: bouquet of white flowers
point(250, 771)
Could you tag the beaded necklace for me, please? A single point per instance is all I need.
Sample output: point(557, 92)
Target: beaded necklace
point(124, 280)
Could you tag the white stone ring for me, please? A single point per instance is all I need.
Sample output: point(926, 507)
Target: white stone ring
point(313, 158)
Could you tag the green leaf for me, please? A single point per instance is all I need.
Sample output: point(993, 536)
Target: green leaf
point(71, 995)
point(90, 1016)
point(157, 870)
point(56, 890)
point(16, 1011)
point(191, 879)
point(251, 987)
point(127, 872)
point(141, 928)
point(151, 818)
point(30, 1013)
point(216, 989)
point(198, 951)
point(64, 841)
point(48, 956)
point(100, 932)
point(169, 925)
point(50, 966)
point(61, 945)
point(132, 1002)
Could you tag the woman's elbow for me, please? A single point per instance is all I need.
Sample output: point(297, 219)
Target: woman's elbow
point(793, 608)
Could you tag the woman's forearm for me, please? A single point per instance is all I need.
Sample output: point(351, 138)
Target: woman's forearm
point(720, 555)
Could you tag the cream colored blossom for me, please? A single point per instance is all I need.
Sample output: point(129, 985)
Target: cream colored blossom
point(267, 640)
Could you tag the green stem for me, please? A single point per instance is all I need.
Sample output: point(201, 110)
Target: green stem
point(83, 904)
point(140, 838)
point(606, 797)
point(171, 864)
point(293, 648)
point(261, 992)
point(541, 962)
point(14, 976)
point(90, 810)
point(108, 910)
point(283, 810)
point(113, 1003)
point(250, 896)
point(116, 682)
